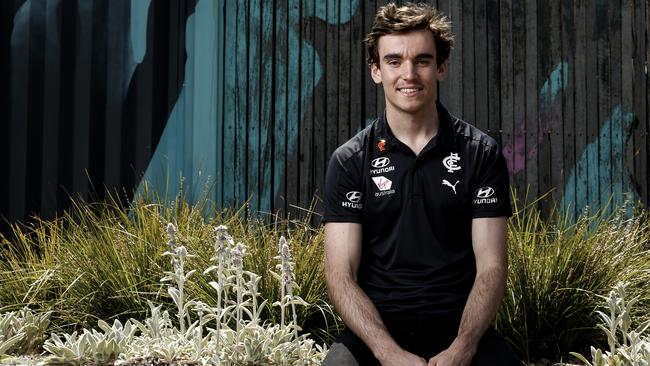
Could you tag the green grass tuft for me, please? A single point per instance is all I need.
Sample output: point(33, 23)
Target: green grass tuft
point(557, 270)
point(102, 261)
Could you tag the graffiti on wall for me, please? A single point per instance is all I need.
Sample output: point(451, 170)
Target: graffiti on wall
point(196, 111)
point(599, 178)
point(611, 186)
point(254, 100)
point(515, 151)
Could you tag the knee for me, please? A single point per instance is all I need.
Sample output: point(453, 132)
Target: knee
point(494, 350)
point(339, 355)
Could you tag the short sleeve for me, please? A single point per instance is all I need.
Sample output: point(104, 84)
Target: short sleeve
point(343, 191)
point(491, 196)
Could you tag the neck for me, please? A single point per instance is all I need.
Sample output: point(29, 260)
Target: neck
point(415, 130)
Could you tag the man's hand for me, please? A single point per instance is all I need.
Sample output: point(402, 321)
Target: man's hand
point(455, 355)
point(400, 357)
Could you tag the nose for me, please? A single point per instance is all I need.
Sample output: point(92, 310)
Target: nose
point(409, 70)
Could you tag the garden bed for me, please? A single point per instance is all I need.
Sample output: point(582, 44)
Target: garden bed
point(105, 262)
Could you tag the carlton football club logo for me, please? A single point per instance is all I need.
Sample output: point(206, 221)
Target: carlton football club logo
point(451, 162)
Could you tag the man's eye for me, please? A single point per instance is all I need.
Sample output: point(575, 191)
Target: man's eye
point(423, 62)
point(393, 63)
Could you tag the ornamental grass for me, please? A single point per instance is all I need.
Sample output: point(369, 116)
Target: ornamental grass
point(559, 268)
point(102, 261)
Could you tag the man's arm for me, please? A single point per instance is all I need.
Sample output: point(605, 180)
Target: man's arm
point(342, 258)
point(489, 244)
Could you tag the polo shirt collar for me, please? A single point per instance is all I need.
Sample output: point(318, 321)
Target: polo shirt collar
point(446, 136)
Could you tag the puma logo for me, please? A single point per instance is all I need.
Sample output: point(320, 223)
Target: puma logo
point(453, 186)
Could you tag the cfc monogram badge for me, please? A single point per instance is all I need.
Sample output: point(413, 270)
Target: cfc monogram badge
point(451, 161)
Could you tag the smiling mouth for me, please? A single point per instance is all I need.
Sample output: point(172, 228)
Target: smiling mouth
point(409, 91)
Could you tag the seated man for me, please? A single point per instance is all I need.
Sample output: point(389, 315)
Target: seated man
point(415, 218)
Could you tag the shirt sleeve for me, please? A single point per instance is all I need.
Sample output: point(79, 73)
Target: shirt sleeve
point(343, 191)
point(491, 197)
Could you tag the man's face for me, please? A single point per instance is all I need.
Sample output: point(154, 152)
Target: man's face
point(408, 71)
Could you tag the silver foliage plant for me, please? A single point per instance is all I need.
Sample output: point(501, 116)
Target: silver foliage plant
point(226, 333)
point(628, 346)
point(22, 331)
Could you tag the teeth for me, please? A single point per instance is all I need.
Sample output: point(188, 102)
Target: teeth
point(409, 90)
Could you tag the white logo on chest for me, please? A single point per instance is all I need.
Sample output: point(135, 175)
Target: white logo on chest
point(450, 162)
point(382, 183)
point(453, 186)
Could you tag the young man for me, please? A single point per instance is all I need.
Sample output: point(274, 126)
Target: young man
point(416, 209)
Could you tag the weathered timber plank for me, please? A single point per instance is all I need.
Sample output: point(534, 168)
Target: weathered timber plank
point(307, 67)
point(604, 102)
point(555, 126)
point(532, 95)
point(321, 91)
point(481, 65)
point(619, 126)
point(518, 141)
point(569, 31)
point(580, 106)
point(507, 59)
point(493, 70)
point(230, 112)
point(592, 123)
point(241, 103)
point(51, 113)
point(468, 111)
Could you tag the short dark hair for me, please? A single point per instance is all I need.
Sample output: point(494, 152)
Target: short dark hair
point(393, 19)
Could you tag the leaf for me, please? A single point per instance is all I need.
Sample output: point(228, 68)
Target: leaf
point(103, 325)
point(6, 345)
point(189, 274)
point(175, 295)
point(643, 327)
point(210, 269)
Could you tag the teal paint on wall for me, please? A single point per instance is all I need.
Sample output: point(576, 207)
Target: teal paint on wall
point(188, 153)
point(138, 24)
point(555, 83)
point(187, 150)
point(607, 177)
point(516, 152)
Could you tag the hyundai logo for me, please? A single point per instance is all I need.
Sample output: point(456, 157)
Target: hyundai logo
point(353, 196)
point(380, 162)
point(484, 192)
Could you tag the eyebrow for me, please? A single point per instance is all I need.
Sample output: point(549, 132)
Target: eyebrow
point(392, 56)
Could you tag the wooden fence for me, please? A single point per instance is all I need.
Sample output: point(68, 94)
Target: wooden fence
point(251, 97)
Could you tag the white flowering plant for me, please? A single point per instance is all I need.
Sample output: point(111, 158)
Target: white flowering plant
point(229, 332)
point(628, 346)
point(22, 331)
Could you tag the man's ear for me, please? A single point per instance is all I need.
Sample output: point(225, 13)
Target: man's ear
point(442, 71)
point(375, 73)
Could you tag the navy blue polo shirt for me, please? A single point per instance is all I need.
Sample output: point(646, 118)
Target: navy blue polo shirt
point(417, 211)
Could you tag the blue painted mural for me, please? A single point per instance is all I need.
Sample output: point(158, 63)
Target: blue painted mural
point(611, 186)
point(189, 149)
point(244, 100)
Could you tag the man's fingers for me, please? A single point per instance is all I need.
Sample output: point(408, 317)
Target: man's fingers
point(432, 361)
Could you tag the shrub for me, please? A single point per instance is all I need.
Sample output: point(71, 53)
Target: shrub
point(101, 261)
point(22, 331)
point(627, 346)
point(557, 270)
point(238, 336)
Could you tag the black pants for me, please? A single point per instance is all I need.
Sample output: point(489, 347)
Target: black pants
point(424, 335)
